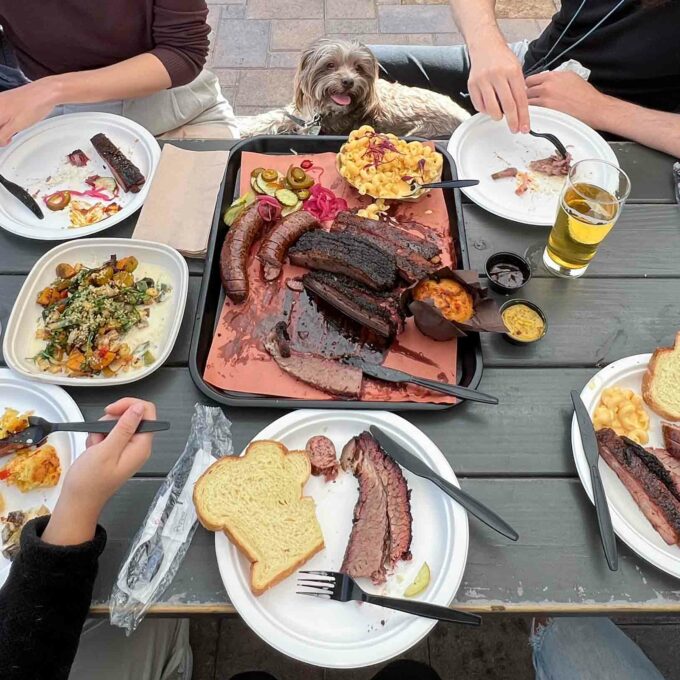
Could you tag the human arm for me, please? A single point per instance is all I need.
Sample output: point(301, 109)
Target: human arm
point(496, 81)
point(179, 34)
point(45, 600)
point(569, 93)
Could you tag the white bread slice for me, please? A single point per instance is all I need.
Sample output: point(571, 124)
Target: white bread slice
point(661, 382)
point(257, 501)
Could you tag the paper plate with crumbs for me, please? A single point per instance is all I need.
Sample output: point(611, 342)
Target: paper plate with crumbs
point(352, 635)
point(85, 171)
point(22, 494)
point(612, 398)
point(515, 172)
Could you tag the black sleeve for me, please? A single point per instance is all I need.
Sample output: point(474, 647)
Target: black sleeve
point(44, 603)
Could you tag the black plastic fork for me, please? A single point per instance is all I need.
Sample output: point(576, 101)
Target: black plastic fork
point(343, 588)
point(561, 149)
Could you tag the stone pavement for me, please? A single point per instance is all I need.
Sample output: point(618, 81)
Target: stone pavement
point(255, 43)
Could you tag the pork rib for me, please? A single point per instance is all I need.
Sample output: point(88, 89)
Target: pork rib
point(376, 311)
point(396, 232)
point(344, 254)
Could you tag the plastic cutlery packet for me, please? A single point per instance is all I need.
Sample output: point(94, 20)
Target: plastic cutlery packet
point(162, 541)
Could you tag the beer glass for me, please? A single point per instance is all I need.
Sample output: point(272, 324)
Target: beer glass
point(592, 198)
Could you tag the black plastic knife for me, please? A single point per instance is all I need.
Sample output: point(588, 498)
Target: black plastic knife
point(422, 469)
point(392, 375)
point(604, 520)
point(22, 195)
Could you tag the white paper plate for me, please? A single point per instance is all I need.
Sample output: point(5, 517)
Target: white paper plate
point(53, 404)
point(630, 525)
point(482, 146)
point(351, 635)
point(23, 321)
point(37, 152)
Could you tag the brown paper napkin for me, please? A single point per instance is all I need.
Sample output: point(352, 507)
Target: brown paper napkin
point(181, 203)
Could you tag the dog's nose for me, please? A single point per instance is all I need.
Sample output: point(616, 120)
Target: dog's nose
point(347, 82)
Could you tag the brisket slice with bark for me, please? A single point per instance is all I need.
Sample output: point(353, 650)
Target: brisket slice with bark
point(325, 374)
point(394, 231)
point(382, 530)
point(671, 438)
point(650, 484)
point(377, 311)
point(345, 254)
point(411, 266)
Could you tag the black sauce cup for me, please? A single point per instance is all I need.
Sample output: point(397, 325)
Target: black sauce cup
point(507, 258)
point(516, 341)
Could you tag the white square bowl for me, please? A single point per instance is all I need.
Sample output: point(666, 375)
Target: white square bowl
point(26, 312)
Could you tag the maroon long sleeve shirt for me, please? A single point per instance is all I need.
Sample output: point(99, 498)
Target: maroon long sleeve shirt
point(60, 36)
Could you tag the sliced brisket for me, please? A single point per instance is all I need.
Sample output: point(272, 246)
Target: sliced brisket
point(377, 311)
point(325, 374)
point(394, 231)
point(552, 165)
point(671, 438)
point(345, 254)
point(366, 459)
point(652, 486)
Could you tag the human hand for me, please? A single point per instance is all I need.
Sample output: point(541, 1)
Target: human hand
point(496, 84)
point(23, 106)
point(567, 92)
point(107, 463)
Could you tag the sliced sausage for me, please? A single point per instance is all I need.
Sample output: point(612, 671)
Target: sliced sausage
point(323, 457)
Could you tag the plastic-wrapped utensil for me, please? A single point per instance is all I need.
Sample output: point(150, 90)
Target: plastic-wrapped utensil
point(159, 546)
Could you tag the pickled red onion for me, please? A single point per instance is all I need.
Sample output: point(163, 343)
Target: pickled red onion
point(324, 204)
point(268, 208)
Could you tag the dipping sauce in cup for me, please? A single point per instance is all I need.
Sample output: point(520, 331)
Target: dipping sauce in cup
point(524, 320)
point(507, 272)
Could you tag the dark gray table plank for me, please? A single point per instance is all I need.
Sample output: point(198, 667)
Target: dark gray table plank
point(10, 286)
point(478, 440)
point(644, 243)
point(592, 322)
point(20, 254)
point(649, 171)
point(557, 529)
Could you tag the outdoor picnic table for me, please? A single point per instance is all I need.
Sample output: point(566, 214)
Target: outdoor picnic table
point(516, 456)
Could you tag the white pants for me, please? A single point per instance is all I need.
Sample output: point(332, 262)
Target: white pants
point(158, 650)
point(196, 110)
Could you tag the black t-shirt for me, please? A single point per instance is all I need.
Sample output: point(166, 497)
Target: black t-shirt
point(634, 55)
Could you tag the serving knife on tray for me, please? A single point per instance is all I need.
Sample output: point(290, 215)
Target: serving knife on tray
point(591, 450)
point(392, 375)
point(418, 467)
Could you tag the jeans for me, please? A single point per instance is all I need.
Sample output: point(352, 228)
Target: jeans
point(442, 69)
point(588, 649)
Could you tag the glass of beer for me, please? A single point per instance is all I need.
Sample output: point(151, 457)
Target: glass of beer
point(591, 201)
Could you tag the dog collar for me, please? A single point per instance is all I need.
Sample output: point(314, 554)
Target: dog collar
point(311, 127)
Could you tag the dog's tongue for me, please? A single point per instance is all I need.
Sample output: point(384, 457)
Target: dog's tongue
point(341, 99)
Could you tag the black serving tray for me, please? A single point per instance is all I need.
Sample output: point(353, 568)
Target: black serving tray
point(211, 297)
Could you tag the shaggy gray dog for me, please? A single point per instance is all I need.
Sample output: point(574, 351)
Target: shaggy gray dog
point(337, 89)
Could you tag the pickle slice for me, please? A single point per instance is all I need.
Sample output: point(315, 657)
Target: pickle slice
point(420, 582)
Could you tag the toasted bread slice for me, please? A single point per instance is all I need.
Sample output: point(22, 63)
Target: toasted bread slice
point(257, 501)
point(661, 382)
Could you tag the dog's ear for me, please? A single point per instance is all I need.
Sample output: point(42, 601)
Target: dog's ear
point(304, 65)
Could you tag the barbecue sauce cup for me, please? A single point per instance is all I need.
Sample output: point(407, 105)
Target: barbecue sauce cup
point(507, 272)
point(514, 339)
point(431, 321)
